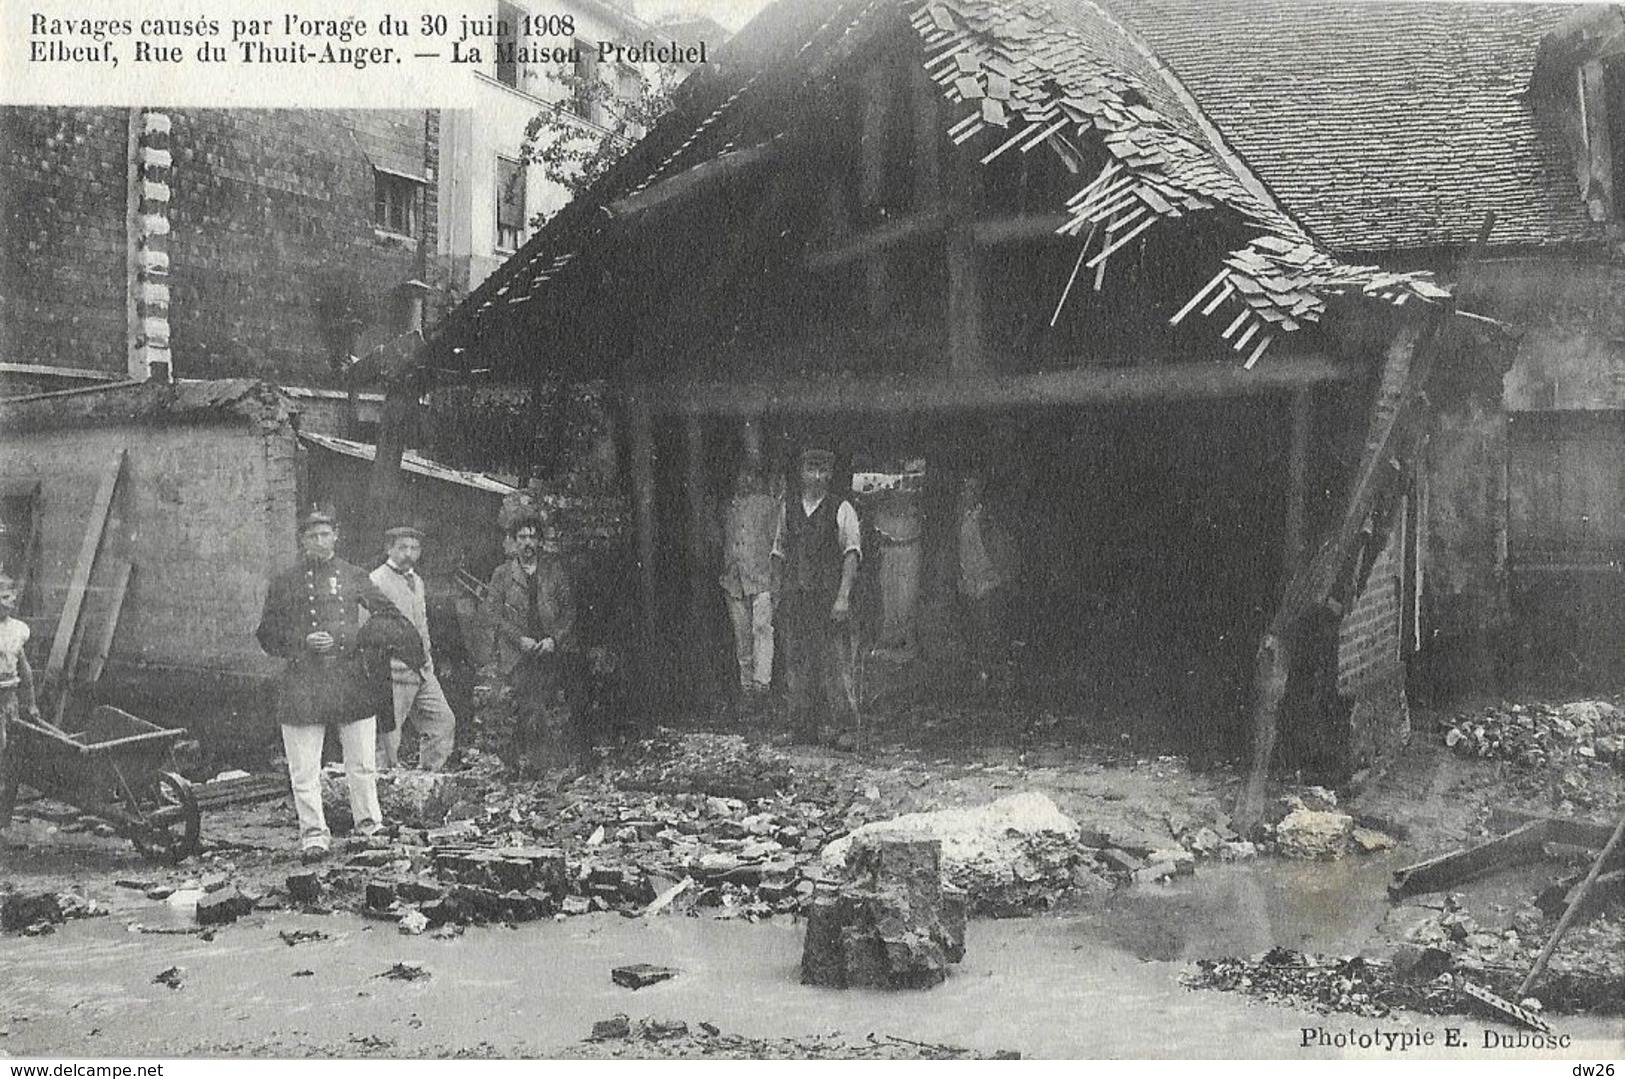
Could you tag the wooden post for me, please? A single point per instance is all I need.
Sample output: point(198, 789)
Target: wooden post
point(965, 351)
point(875, 146)
point(928, 135)
point(1294, 543)
point(699, 522)
point(643, 512)
point(1404, 375)
point(404, 383)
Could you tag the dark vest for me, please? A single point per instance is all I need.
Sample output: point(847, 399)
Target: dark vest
point(812, 551)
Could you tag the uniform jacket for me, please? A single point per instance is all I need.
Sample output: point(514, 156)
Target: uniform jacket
point(328, 596)
point(507, 611)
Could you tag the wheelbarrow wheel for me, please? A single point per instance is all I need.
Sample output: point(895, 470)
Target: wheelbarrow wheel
point(171, 829)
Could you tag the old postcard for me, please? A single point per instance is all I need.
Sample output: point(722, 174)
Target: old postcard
point(817, 529)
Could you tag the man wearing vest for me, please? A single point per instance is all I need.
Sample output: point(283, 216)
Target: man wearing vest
point(816, 554)
point(417, 692)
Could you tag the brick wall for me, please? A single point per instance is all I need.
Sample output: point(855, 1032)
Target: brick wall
point(273, 233)
point(1370, 671)
point(63, 204)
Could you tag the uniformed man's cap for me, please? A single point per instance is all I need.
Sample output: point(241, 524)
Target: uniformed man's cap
point(402, 532)
point(817, 457)
point(320, 513)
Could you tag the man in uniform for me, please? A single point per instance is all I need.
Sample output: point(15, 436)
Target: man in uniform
point(312, 613)
point(417, 692)
point(816, 557)
point(531, 610)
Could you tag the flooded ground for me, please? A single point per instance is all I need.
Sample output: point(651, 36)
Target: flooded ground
point(1097, 983)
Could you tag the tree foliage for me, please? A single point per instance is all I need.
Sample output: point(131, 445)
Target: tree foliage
point(578, 137)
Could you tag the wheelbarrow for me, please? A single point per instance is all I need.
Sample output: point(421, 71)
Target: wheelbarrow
point(119, 768)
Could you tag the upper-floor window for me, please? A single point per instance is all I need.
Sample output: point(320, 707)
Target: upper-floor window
point(510, 208)
point(509, 21)
point(587, 100)
point(395, 203)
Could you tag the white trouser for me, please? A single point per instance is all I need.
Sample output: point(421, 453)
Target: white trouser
point(752, 618)
point(420, 697)
point(302, 745)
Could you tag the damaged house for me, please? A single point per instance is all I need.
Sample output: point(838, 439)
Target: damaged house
point(1218, 302)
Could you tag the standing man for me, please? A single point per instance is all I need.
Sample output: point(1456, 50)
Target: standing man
point(312, 613)
point(417, 692)
point(817, 551)
point(531, 611)
point(749, 526)
point(988, 564)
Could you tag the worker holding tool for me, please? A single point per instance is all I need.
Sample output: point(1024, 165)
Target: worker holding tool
point(16, 679)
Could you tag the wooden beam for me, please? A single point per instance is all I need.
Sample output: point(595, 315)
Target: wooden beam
point(910, 228)
point(67, 625)
point(1091, 385)
point(1515, 848)
point(703, 179)
point(1018, 229)
point(701, 582)
point(643, 512)
point(1404, 375)
point(928, 133)
point(1294, 543)
point(964, 302)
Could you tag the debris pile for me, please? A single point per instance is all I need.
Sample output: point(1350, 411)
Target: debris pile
point(1011, 854)
point(891, 925)
point(1308, 824)
point(36, 913)
point(623, 1037)
point(1536, 735)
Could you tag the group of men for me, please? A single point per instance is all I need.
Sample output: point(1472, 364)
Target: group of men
point(790, 576)
point(360, 661)
point(789, 573)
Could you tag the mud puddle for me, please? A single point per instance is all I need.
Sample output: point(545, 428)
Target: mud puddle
point(1051, 987)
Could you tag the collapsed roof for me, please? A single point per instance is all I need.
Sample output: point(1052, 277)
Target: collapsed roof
point(1300, 123)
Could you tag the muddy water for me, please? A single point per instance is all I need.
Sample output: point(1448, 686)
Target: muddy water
point(1097, 984)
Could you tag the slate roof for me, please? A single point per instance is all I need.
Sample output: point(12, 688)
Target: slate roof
point(1380, 126)
point(1404, 143)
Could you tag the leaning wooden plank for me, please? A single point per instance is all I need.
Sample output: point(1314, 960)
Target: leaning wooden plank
point(1503, 1007)
point(1577, 900)
point(104, 643)
point(1565, 830)
point(68, 624)
point(1518, 846)
point(663, 900)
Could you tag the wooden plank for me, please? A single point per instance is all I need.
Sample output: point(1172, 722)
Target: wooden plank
point(1093, 384)
point(1566, 830)
point(927, 136)
point(683, 188)
point(104, 641)
point(67, 626)
point(910, 228)
point(1516, 847)
point(701, 582)
point(1576, 902)
point(965, 344)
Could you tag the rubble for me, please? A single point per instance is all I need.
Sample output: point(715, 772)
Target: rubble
point(1005, 855)
point(638, 975)
point(1538, 734)
point(172, 977)
point(1310, 833)
point(405, 971)
point(623, 1037)
point(34, 913)
point(223, 905)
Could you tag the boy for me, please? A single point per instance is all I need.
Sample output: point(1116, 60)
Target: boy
point(16, 680)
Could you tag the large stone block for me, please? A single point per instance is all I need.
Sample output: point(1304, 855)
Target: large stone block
point(891, 925)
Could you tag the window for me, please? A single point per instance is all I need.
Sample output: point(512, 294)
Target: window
point(510, 204)
point(509, 21)
point(395, 202)
point(588, 100)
